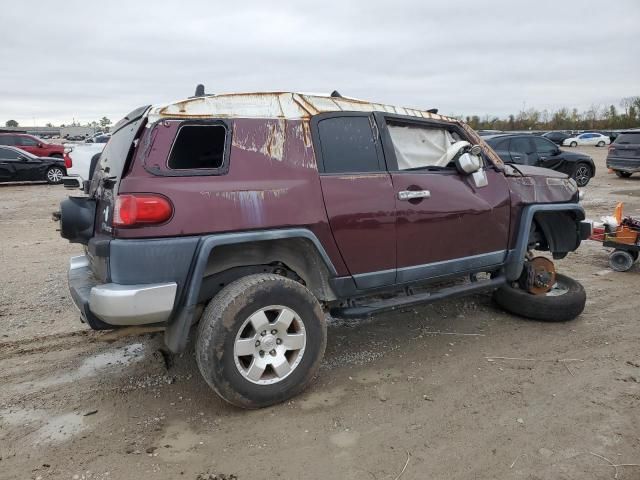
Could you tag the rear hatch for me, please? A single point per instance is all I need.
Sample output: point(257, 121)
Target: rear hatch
point(112, 166)
point(627, 145)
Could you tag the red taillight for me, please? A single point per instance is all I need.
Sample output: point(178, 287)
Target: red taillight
point(141, 209)
point(67, 161)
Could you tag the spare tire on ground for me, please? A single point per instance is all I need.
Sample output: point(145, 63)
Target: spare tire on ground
point(565, 301)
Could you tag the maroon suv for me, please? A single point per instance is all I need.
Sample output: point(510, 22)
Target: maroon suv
point(31, 144)
point(255, 215)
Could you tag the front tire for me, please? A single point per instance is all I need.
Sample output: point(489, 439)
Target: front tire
point(564, 302)
point(54, 175)
point(582, 174)
point(261, 340)
point(623, 174)
point(600, 144)
point(573, 144)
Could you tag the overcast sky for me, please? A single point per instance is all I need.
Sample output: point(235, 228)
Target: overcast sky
point(66, 59)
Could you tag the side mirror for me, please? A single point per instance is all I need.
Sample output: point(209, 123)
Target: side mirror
point(41, 145)
point(468, 163)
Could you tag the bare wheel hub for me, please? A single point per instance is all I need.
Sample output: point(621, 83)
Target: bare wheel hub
point(539, 276)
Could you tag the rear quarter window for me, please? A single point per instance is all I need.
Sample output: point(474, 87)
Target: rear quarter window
point(198, 147)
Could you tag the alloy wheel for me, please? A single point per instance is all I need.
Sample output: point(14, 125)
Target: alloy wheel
point(582, 175)
point(54, 175)
point(269, 345)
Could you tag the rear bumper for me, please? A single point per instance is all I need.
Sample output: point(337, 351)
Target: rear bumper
point(631, 165)
point(110, 305)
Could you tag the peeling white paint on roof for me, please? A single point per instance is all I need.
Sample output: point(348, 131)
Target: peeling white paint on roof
point(282, 105)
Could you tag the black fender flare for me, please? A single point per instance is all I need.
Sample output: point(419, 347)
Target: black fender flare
point(177, 330)
point(516, 257)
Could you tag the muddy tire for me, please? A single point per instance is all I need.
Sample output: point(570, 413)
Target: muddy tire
point(261, 340)
point(623, 174)
point(565, 302)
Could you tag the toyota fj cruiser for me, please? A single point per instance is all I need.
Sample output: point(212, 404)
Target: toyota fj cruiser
point(254, 215)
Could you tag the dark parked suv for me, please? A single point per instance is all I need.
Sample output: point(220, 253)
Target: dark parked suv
point(254, 215)
point(540, 152)
point(624, 154)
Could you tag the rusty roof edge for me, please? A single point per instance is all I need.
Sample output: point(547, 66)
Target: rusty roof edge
point(289, 105)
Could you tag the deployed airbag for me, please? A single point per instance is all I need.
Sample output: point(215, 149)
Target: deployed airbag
point(418, 147)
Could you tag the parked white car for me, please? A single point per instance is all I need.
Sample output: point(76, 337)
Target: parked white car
point(81, 155)
point(595, 139)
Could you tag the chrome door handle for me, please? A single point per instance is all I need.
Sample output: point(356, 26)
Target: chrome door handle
point(411, 194)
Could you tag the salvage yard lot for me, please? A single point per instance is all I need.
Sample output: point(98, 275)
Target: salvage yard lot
point(416, 389)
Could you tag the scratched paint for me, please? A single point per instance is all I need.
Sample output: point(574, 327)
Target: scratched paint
point(269, 140)
point(276, 138)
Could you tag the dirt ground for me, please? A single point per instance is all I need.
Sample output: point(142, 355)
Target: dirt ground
point(410, 394)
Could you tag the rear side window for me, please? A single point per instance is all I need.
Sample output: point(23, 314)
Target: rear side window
point(521, 145)
point(501, 145)
point(7, 154)
point(7, 140)
point(544, 146)
point(348, 145)
point(632, 138)
point(27, 142)
point(198, 147)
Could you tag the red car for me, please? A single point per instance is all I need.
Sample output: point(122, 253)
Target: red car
point(31, 144)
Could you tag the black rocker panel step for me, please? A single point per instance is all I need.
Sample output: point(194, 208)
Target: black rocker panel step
point(417, 299)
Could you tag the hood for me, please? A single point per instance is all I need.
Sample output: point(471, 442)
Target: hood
point(529, 171)
point(575, 157)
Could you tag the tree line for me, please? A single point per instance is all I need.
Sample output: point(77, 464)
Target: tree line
point(598, 117)
point(104, 122)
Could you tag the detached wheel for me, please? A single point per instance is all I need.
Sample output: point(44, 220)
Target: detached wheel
point(565, 301)
point(54, 175)
point(623, 174)
point(621, 261)
point(582, 174)
point(573, 144)
point(261, 340)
